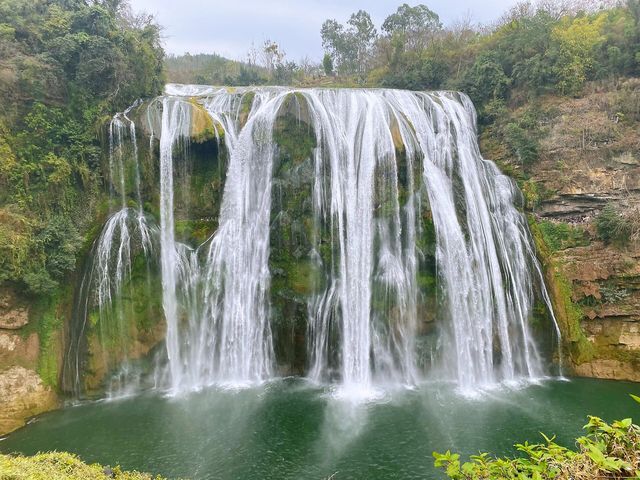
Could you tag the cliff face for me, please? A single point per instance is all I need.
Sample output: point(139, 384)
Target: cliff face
point(24, 365)
point(589, 158)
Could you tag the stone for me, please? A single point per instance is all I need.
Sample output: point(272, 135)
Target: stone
point(630, 336)
point(609, 369)
point(13, 313)
point(18, 350)
point(22, 395)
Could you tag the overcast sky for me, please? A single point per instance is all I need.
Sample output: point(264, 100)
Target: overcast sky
point(228, 27)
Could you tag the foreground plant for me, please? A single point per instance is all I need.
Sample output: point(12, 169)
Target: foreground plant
point(61, 466)
point(607, 451)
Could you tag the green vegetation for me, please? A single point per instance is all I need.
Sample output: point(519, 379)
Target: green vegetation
point(210, 69)
point(61, 466)
point(531, 50)
point(560, 235)
point(65, 66)
point(618, 227)
point(606, 451)
point(568, 313)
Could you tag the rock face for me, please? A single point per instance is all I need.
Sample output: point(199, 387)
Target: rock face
point(13, 313)
point(22, 395)
point(590, 157)
point(590, 154)
point(22, 391)
point(17, 350)
point(610, 369)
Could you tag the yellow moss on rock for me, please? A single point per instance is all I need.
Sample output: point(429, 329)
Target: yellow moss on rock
point(203, 128)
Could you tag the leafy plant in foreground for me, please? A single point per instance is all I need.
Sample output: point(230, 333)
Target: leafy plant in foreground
point(607, 451)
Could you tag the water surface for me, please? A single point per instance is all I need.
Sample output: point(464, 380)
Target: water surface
point(290, 430)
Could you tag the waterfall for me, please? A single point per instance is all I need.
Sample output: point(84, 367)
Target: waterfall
point(227, 338)
point(126, 233)
point(407, 221)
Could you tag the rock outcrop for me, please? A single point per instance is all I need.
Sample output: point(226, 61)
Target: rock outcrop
point(22, 395)
point(590, 157)
point(23, 392)
point(14, 314)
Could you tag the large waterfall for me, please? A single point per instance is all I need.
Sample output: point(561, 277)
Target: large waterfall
point(415, 261)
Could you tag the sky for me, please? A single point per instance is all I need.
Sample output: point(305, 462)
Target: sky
point(228, 27)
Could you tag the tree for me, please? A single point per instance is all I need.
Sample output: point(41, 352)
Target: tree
point(412, 25)
point(272, 56)
point(486, 80)
point(576, 40)
point(351, 46)
point(327, 64)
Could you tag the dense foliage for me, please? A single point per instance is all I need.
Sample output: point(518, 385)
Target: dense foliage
point(606, 451)
point(64, 65)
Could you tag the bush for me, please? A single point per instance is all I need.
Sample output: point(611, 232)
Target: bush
point(606, 451)
point(617, 227)
point(521, 143)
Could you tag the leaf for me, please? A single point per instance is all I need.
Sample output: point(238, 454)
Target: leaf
point(635, 397)
point(626, 423)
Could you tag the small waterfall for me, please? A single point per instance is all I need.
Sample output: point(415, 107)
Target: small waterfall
point(408, 221)
point(126, 233)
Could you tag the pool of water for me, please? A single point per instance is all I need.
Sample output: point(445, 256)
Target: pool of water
point(288, 429)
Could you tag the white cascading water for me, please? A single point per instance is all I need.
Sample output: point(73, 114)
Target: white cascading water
point(125, 231)
point(216, 297)
point(226, 337)
point(482, 253)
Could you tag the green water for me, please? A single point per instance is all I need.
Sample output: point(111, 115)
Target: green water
point(289, 430)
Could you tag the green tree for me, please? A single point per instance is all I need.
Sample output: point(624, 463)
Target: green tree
point(327, 64)
point(412, 26)
point(576, 41)
point(486, 79)
point(351, 46)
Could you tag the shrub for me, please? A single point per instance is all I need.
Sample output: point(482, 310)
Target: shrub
point(61, 466)
point(523, 145)
point(607, 451)
point(617, 227)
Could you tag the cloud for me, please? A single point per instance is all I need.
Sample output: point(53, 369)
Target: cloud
point(229, 27)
